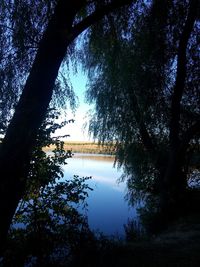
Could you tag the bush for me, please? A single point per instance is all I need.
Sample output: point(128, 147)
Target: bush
point(47, 229)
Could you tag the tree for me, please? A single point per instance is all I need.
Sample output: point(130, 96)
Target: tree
point(146, 93)
point(49, 27)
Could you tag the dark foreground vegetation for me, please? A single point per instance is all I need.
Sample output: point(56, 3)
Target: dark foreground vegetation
point(178, 245)
point(142, 60)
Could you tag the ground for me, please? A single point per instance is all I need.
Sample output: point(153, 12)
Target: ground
point(177, 246)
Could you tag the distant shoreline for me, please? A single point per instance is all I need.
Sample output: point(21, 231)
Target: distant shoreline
point(86, 147)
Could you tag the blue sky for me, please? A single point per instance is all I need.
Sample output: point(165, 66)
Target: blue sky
point(76, 130)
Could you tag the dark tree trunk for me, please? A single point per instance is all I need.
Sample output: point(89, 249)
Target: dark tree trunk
point(173, 182)
point(17, 145)
point(173, 185)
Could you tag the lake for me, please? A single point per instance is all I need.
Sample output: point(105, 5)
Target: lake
point(107, 209)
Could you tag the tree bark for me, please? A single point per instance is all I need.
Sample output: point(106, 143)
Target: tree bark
point(175, 182)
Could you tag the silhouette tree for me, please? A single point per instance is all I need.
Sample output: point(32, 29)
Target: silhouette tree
point(146, 93)
point(35, 35)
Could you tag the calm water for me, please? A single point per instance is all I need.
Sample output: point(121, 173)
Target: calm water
point(107, 209)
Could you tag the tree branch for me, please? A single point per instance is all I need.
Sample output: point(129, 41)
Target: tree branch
point(97, 15)
point(181, 73)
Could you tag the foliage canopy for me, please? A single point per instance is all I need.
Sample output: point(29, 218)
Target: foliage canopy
point(143, 66)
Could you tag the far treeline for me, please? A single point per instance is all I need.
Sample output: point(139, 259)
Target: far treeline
point(86, 147)
point(142, 62)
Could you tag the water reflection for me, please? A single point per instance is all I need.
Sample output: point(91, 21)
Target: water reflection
point(107, 209)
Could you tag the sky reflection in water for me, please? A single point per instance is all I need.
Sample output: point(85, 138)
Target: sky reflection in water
point(107, 209)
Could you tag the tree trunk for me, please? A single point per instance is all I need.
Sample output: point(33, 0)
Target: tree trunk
point(19, 140)
point(174, 182)
point(174, 185)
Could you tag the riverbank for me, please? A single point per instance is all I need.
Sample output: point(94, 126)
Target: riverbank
point(86, 147)
point(177, 246)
